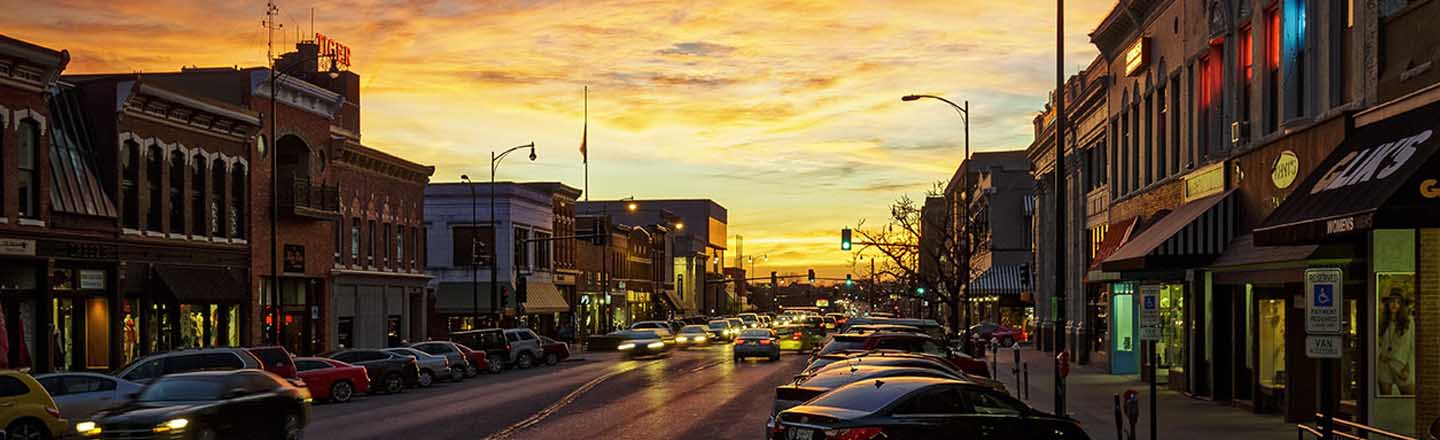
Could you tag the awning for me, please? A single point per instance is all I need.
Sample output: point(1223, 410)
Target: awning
point(1243, 252)
point(544, 298)
point(459, 298)
point(1383, 176)
point(201, 285)
point(1002, 279)
point(1115, 236)
point(75, 188)
point(674, 304)
point(1188, 236)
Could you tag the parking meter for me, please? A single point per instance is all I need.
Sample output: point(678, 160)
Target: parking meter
point(1132, 410)
point(1062, 362)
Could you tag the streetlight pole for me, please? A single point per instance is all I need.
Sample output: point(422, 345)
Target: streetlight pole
point(474, 256)
point(964, 112)
point(495, 231)
point(1060, 247)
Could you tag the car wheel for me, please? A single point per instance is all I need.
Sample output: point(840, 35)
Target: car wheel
point(27, 430)
point(341, 392)
point(471, 371)
point(394, 383)
point(524, 361)
point(292, 430)
point(552, 358)
point(457, 374)
point(427, 379)
point(495, 367)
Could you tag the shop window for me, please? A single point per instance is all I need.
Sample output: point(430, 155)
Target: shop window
point(177, 191)
point(1272, 343)
point(1395, 334)
point(129, 185)
point(1124, 313)
point(355, 241)
point(217, 215)
point(130, 328)
point(198, 226)
point(392, 331)
point(28, 178)
point(1171, 346)
point(237, 201)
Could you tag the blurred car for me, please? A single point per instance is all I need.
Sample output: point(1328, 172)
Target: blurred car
point(492, 341)
point(693, 336)
point(905, 342)
point(798, 337)
point(636, 343)
point(890, 358)
point(919, 407)
point(332, 380)
point(208, 405)
point(757, 342)
point(275, 359)
point(432, 367)
point(459, 362)
point(872, 328)
point(391, 372)
point(661, 328)
point(555, 351)
point(1006, 336)
point(840, 318)
point(153, 366)
point(26, 410)
point(829, 323)
point(720, 330)
point(81, 394)
point(808, 387)
point(479, 360)
point(736, 325)
point(750, 320)
point(766, 321)
point(524, 347)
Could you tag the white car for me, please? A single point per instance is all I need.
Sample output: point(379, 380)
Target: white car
point(80, 395)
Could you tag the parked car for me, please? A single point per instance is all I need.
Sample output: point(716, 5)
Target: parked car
point(813, 385)
point(524, 347)
point(905, 342)
point(840, 318)
point(432, 367)
point(26, 410)
point(81, 394)
point(275, 359)
point(150, 367)
point(920, 407)
point(459, 362)
point(757, 342)
point(491, 341)
point(479, 360)
point(392, 372)
point(554, 351)
point(693, 336)
point(1006, 336)
point(240, 404)
point(872, 328)
point(891, 358)
point(332, 380)
point(800, 338)
point(638, 343)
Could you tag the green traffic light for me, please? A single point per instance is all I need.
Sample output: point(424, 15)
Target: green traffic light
point(920, 290)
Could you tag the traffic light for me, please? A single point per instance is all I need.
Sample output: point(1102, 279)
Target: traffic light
point(522, 293)
point(504, 297)
point(849, 281)
point(774, 280)
point(812, 276)
point(845, 243)
point(1024, 276)
point(920, 291)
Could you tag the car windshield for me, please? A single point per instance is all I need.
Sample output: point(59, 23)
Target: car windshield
point(718, 324)
point(842, 344)
point(755, 333)
point(643, 334)
point(183, 389)
point(693, 329)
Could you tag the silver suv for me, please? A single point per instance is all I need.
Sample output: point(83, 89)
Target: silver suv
point(524, 347)
point(151, 367)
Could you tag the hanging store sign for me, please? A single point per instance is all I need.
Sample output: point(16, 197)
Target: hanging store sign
point(92, 279)
point(1138, 56)
point(1323, 299)
point(1283, 172)
point(1150, 313)
point(331, 48)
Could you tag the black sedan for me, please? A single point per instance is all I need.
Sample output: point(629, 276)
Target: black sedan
point(389, 373)
point(238, 404)
point(914, 407)
point(638, 343)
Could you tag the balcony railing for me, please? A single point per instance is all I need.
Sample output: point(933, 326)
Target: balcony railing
point(301, 197)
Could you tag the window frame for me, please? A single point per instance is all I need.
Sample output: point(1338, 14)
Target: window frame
point(28, 176)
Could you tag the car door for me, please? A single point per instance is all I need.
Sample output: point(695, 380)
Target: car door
point(316, 374)
point(146, 371)
point(933, 413)
point(992, 414)
point(84, 395)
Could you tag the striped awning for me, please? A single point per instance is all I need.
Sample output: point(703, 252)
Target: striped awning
point(1189, 236)
point(1003, 279)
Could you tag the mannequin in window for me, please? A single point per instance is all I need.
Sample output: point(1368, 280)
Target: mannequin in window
point(1394, 370)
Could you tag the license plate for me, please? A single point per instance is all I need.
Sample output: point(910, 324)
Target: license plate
point(800, 434)
point(752, 343)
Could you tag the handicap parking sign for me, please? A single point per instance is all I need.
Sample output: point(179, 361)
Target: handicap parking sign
point(1150, 302)
point(1324, 295)
point(1322, 309)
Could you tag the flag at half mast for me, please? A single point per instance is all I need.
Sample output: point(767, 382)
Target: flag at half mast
point(585, 131)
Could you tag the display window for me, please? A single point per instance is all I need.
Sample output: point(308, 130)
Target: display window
point(1171, 346)
point(1124, 322)
point(1271, 343)
point(1395, 335)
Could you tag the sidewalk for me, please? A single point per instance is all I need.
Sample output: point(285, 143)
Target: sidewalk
point(1090, 399)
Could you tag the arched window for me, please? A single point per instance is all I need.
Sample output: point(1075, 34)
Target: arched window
point(217, 198)
point(177, 192)
point(198, 226)
point(154, 172)
point(28, 179)
point(237, 201)
point(130, 185)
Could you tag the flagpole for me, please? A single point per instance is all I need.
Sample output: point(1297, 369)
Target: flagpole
point(584, 149)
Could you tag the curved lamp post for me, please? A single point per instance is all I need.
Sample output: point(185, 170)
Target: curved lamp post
point(964, 111)
point(495, 231)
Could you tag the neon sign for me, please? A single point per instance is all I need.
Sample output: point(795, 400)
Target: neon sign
point(331, 48)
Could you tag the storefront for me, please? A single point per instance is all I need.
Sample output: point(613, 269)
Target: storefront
point(377, 309)
point(1376, 195)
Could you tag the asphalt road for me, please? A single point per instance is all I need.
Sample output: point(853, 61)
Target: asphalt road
point(696, 393)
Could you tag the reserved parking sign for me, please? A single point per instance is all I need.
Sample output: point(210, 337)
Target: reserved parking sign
point(1323, 297)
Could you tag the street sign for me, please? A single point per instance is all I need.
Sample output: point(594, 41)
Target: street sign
point(1323, 346)
point(1149, 313)
point(1323, 299)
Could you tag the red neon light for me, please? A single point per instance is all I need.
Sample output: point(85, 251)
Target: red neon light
point(332, 48)
point(1272, 40)
point(1247, 52)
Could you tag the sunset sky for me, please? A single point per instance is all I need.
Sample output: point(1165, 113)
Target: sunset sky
point(785, 112)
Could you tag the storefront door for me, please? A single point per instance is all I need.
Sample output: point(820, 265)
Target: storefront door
point(1123, 343)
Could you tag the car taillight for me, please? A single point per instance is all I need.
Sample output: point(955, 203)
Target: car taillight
point(54, 412)
point(765, 342)
point(739, 341)
point(853, 433)
point(795, 336)
point(507, 347)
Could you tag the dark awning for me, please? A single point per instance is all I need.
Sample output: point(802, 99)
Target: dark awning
point(1000, 279)
point(1242, 252)
point(201, 285)
point(1116, 235)
point(74, 188)
point(1375, 179)
point(1190, 235)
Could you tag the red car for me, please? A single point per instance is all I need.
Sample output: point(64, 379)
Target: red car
point(332, 380)
point(555, 351)
point(480, 361)
point(905, 342)
point(275, 359)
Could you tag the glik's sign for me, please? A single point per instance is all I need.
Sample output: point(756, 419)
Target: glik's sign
point(1373, 163)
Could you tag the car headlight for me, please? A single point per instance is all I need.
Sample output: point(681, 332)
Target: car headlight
point(655, 345)
point(87, 428)
point(682, 339)
point(172, 425)
point(625, 346)
point(699, 339)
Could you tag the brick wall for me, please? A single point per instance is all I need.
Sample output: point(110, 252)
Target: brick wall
point(13, 100)
point(1165, 196)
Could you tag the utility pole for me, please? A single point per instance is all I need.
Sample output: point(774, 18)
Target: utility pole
point(1060, 247)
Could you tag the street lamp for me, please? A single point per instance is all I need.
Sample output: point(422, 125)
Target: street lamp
point(964, 111)
point(276, 298)
point(494, 231)
point(751, 259)
point(474, 256)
